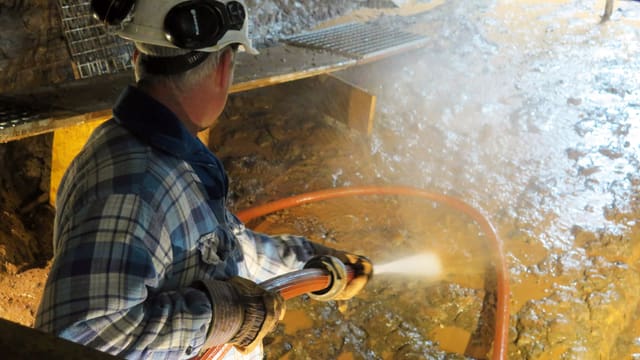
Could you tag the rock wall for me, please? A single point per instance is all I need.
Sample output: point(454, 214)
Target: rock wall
point(32, 47)
point(26, 219)
point(273, 19)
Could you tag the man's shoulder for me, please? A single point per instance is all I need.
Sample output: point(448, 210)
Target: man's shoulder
point(115, 161)
point(111, 151)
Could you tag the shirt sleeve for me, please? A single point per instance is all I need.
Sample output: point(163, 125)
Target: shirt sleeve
point(267, 256)
point(103, 288)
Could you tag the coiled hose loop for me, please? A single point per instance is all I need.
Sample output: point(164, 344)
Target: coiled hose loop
point(297, 284)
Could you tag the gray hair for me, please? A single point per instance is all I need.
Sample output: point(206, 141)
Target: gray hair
point(181, 81)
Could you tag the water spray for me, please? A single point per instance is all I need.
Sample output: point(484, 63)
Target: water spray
point(325, 273)
point(426, 265)
point(319, 279)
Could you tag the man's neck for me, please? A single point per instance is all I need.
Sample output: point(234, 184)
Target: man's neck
point(174, 102)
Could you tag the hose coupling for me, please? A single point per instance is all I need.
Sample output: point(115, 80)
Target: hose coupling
point(337, 271)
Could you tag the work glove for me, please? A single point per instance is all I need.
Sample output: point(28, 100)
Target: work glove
point(243, 312)
point(362, 267)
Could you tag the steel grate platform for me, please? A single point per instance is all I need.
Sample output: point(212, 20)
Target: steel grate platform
point(358, 40)
point(93, 50)
point(13, 114)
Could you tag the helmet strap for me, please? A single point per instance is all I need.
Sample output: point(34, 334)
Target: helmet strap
point(172, 65)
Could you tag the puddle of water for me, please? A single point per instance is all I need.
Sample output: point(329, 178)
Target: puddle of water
point(296, 319)
point(345, 356)
point(529, 288)
point(553, 353)
point(451, 338)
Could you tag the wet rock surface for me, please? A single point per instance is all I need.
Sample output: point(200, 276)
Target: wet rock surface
point(273, 19)
point(32, 47)
point(528, 111)
point(26, 217)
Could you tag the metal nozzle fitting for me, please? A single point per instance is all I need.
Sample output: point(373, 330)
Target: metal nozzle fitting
point(337, 271)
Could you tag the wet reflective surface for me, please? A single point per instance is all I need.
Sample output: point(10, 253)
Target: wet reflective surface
point(529, 111)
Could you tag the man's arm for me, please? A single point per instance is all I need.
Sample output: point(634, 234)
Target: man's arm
point(268, 256)
point(102, 289)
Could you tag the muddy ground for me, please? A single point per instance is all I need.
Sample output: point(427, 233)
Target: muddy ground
point(529, 111)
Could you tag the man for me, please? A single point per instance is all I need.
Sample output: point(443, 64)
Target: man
point(148, 262)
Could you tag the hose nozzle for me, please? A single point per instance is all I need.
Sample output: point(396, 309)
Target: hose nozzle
point(338, 273)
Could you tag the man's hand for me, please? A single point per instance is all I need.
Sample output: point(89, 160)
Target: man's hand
point(263, 310)
point(243, 312)
point(362, 267)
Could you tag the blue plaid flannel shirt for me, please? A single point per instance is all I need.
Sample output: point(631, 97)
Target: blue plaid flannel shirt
point(140, 216)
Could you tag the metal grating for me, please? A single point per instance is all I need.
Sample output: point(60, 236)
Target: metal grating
point(93, 50)
point(12, 114)
point(358, 40)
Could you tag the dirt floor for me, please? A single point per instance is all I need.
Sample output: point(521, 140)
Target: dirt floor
point(528, 110)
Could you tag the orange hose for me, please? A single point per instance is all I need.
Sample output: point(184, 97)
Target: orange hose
point(309, 286)
point(300, 282)
point(501, 333)
point(296, 288)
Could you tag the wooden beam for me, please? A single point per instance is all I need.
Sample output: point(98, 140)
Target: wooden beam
point(67, 143)
point(362, 108)
point(46, 125)
point(204, 136)
point(608, 10)
point(346, 102)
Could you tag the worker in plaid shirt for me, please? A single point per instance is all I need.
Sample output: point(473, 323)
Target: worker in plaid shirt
point(148, 261)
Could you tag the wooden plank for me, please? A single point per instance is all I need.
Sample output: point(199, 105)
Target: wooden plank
point(346, 102)
point(362, 107)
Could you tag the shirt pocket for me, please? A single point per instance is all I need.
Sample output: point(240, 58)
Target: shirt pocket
point(218, 246)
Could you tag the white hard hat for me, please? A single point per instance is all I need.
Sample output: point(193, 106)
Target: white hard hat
point(200, 25)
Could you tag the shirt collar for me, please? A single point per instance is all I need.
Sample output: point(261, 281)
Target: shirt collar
point(154, 123)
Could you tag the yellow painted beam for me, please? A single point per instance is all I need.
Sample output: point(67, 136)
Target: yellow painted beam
point(67, 143)
point(362, 108)
point(346, 102)
point(204, 136)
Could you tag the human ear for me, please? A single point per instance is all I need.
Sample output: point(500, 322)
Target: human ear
point(224, 70)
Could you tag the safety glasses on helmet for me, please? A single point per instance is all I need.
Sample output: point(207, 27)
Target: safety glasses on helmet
point(203, 25)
